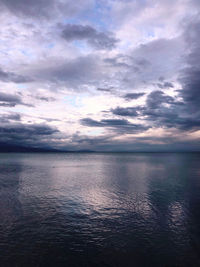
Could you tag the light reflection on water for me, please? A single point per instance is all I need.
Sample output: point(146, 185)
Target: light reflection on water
point(100, 209)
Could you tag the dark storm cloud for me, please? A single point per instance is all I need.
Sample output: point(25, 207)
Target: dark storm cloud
point(129, 111)
point(6, 118)
point(132, 96)
point(103, 123)
point(190, 75)
point(191, 84)
point(6, 76)
point(27, 130)
point(26, 134)
point(165, 111)
point(184, 114)
point(98, 40)
point(9, 100)
point(155, 104)
point(161, 110)
point(116, 124)
point(157, 98)
point(186, 124)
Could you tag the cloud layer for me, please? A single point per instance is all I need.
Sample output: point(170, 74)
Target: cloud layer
point(100, 75)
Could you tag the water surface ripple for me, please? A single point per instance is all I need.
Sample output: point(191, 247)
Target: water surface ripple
point(113, 209)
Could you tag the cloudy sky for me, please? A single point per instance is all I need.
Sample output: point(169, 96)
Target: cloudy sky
point(106, 75)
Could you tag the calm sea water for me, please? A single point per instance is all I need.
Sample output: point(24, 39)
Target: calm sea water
point(100, 209)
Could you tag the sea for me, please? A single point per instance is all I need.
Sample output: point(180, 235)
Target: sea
point(100, 209)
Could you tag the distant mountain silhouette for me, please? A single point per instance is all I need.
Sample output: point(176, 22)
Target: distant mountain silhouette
point(5, 148)
point(18, 148)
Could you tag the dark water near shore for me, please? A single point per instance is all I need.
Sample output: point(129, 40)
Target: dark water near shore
point(100, 210)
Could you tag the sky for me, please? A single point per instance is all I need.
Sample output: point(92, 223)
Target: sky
point(107, 75)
